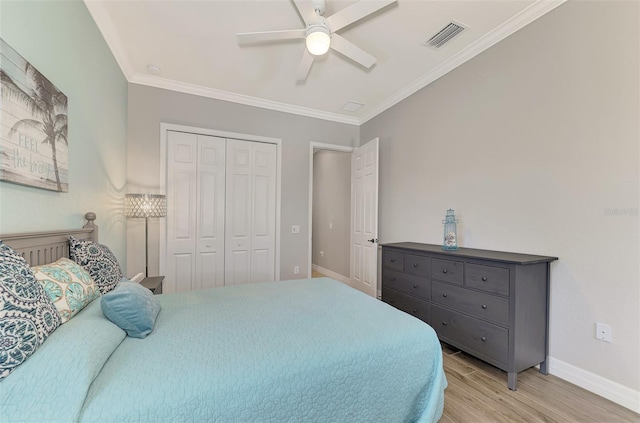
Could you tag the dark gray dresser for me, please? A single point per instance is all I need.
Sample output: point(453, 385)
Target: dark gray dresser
point(491, 304)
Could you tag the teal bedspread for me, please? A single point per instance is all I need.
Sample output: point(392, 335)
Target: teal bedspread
point(292, 351)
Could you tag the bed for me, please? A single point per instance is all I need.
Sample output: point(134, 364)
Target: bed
point(289, 351)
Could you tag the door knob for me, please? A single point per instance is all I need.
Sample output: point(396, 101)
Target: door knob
point(373, 240)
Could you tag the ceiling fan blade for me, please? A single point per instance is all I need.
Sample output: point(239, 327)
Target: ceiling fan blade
point(352, 51)
point(259, 37)
point(305, 66)
point(307, 12)
point(355, 12)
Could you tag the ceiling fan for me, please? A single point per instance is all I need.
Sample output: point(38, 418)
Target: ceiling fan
point(320, 32)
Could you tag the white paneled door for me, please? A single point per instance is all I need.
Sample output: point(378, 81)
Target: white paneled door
point(251, 210)
point(195, 211)
point(210, 213)
point(364, 218)
point(221, 204)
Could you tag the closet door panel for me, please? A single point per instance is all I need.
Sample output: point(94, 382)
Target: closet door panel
point(181, 210)
point(238, 212)
point(183, 271)
point(211, 210)
point(263, 213)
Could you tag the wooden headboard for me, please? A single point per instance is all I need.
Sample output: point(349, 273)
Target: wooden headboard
point(45, 247)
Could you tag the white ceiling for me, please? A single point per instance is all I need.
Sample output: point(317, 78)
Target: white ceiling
point(194, 45)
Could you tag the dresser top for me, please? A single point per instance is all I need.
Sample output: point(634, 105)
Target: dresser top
point(472, 253)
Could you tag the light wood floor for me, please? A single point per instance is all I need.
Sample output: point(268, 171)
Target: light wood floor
point(315, 274)
point(478, 392)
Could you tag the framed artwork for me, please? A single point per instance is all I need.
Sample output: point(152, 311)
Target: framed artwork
point(34, 148)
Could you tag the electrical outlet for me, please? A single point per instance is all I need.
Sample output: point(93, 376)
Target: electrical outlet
point(603, 332)
point(321, 253)
point(296, 270)
point(295, 229)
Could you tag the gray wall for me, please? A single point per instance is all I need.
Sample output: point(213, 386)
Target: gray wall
point(535, 144)
point(61, 40)
point(332, 205)
point(148, 107)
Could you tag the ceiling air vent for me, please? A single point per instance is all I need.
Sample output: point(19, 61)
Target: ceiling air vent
point(445, 35)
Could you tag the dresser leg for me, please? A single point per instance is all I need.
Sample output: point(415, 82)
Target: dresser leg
point(544, 369)
point(512, 379)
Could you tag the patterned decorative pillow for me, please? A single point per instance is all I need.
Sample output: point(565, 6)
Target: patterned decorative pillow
point(27, 315)
point(68, 285)
point(98, 260)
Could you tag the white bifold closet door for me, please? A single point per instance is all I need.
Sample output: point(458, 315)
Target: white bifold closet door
point(221, 211)
point(195, 213)
point(251, 209)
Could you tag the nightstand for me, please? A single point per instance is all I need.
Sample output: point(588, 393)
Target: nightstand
point(153, 283)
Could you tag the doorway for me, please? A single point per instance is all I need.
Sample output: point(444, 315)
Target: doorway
point(362, 208)
point(329, 211)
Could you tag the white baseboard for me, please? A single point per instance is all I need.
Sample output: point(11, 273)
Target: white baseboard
point(331, 274)
point(599, 385)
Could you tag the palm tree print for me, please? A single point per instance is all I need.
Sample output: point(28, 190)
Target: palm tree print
point(48, 108)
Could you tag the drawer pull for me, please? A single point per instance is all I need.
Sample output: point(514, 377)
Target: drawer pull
point(484, 279)
point(415, 286)
point(415, 265)
point(415, 311)
point(483, 339)
point(393, 279)
point(393, 260)
point(444, 323)
point(484, 306)
point(391, 301)
point(444, 270)
point(444, 295)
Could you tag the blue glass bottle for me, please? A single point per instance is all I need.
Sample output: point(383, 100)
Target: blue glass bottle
point(450, 231)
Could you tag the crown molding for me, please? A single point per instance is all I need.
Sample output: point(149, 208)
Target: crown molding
point(525, 17)
point(99, 13)
point(183, 87)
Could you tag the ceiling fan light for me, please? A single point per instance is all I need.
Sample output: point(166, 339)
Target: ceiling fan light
point(318, 41)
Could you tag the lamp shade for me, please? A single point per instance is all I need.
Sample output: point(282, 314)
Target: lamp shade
point(145, 205)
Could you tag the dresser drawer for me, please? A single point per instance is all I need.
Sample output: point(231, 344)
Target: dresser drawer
point(447, 270)
point(484, 306)
point(403, 282)
point(488, 278)
point(483, 338)
point(417, 265)
point(393, 260)
point(406, 303)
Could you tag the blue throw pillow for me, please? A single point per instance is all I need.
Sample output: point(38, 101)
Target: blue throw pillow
point(132, 307)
